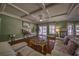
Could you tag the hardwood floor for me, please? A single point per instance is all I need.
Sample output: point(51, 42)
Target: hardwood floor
point(46, 49)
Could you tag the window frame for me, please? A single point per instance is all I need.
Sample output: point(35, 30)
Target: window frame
point(76, 29)
point(54, 29)
point(72, 31)
point(42, 29)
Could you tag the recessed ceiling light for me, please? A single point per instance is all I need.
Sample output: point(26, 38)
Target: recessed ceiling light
point(41, 20)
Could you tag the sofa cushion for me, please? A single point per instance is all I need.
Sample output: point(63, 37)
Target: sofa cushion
point(58, 45)
point(71, 47)
point(19, 45)
point(27, 51)
point(6, 49)
point(66, 40)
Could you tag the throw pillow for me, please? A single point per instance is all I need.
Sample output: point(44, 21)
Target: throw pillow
point(71, 47)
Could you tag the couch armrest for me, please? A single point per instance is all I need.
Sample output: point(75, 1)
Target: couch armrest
point(6, 49)
point(19, 46)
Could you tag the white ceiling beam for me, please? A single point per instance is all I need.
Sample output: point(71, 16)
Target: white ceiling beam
point(71, 8)
point(11, 15)
point(48, 13)
point(21, 10)
point(3, 7)
point(44, 8)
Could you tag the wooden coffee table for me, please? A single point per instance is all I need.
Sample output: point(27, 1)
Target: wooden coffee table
point(38, 42)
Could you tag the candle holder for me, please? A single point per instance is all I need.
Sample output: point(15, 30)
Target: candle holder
point(12, 38)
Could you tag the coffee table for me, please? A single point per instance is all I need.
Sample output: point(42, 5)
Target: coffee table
point(39, 42)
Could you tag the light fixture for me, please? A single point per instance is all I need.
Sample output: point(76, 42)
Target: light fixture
point(57, 29)
point(40, 16)
point(41, 20)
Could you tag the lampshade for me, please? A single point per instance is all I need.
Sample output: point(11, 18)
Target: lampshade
point(57, 29)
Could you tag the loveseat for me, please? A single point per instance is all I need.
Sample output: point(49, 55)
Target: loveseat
point(66, 47)
point(19, 49)
point(25, 50)
point(6, 49)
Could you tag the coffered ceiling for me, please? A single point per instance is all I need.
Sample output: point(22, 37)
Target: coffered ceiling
point(41, 12)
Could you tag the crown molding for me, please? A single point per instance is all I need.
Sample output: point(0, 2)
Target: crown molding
point(14, 16)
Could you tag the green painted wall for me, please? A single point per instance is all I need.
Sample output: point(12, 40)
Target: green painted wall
point(61, 24)
point(0, 27)
point(9, 26)
point(34, 28)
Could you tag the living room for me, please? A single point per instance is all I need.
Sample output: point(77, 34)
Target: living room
point(39, 29)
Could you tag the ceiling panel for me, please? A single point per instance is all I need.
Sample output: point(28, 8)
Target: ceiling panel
point(29, 7)
point(53, 11)
point(59, 18)
point(75, 12)
point(58, 9)
point(56, 12)
point(14, 11)
point(40, 14)
point(30, 18)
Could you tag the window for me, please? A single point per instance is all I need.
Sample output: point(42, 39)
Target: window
point(52, 29)
point(70, 29)
point(77, 29)
point(42, 30)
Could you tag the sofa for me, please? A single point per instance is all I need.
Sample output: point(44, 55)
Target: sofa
point(19, 49)
point(66, 47)
point(25, 50)
point(6, 49)
point(59, 49)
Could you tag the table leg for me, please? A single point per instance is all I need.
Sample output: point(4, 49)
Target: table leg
point(42, 48)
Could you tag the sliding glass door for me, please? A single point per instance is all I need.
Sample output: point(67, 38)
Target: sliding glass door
point(43, 32)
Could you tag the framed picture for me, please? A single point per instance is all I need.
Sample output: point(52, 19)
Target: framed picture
point(25, 24)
